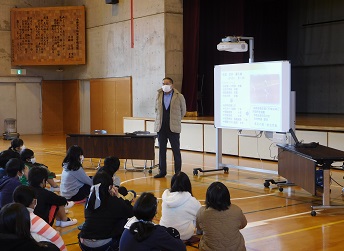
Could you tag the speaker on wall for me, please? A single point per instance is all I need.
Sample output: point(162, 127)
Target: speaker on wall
point(111, 1)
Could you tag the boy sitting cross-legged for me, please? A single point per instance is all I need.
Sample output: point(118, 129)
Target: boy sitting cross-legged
point(49, 205)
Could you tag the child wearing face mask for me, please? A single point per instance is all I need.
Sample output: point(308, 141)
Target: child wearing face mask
point(75, 184)
point(14, 170)
point(28, 157)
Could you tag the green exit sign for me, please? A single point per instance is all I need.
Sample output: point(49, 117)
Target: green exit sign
point(18, 71)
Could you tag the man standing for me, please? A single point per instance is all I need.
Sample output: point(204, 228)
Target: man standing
point(170, 108)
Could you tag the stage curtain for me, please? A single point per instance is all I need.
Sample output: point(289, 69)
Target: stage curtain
point(218, 19)
point(190, 57)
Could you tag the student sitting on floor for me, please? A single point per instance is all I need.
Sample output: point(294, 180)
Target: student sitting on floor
point(105, 216)
point(14, 170)
point(220, 221)
point(49, 204)
point(40, 230)
point(75, 184)
point(142, 234)
point(15, 233)
point(111, 166)
point(17, 145)
point(28, 157)
point(5, 156)
point(179, 207)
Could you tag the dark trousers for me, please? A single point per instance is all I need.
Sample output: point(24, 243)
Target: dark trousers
point(163, 136)
point(83, 193)
point(111, 246)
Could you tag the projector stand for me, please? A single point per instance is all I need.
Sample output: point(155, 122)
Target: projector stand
point(196, 170)
point(280, 184)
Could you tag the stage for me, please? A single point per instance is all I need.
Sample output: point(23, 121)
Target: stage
point(316, 122)
point(199, 134)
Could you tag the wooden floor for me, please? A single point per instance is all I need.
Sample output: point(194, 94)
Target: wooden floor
point(276, 220)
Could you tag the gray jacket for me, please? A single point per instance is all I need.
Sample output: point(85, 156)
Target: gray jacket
point(177, 111)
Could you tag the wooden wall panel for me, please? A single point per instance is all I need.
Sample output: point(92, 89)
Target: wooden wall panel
point(123, 102)
point(71, 106)
point(52, 107)
point(109, 105)
point(60, 107)
point(48, 35)
point(111, 100)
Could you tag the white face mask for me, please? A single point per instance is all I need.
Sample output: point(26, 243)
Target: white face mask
point(33, 160)
point(166, 88)
point(22, 147)
point(34, 203)
point(82, 159)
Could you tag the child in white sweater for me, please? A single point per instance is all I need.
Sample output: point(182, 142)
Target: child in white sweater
point(179, 207)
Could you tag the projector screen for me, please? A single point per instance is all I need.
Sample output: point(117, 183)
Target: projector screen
point(253, 96)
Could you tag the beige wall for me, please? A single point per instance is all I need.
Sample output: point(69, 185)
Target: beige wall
point(157, 51)
point(20, 98)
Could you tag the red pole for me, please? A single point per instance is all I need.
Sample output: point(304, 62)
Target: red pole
point(132, 22)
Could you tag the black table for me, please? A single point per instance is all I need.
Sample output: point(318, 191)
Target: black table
point(299, 165)
point(123, 146)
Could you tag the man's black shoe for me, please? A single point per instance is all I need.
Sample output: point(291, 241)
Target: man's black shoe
point(160, 175)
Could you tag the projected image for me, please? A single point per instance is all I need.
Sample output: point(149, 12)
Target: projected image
point(265, 89)
point(254, 96)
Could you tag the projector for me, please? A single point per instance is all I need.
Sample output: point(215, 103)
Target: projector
point(239, 46)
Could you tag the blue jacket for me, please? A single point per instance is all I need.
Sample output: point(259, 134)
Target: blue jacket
point(160, 239)
point(7, 186)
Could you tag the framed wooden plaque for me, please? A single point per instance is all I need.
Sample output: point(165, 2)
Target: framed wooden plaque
point(48, 36)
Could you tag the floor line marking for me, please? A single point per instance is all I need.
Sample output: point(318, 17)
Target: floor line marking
point(126, 181)
point(252, 197)
point(264, 222)
point(295, 231)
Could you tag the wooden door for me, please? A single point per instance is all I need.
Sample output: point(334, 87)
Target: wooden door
point(60, 107)
point(111, 100)
point(52, 107)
